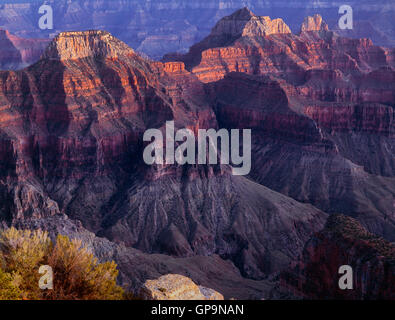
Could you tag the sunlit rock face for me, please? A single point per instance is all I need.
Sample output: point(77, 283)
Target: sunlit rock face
point(314, 23)
point(176, 287)
point(245, 23)
point(84, 45)
point(72, 130)
point(159, 27)
point(332, 94)
point(243, 42)
point(320, 108)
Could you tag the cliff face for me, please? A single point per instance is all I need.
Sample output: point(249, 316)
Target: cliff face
point(314, 23)
point(88, 44)
point(236, 45)
point(319, 94)
point(160, 27)
point(245, 23)
point(17, 53)
point(321, 112)
point(72, 129)
point(344, 242)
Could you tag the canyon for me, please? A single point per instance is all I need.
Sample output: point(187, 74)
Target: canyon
point(17, 53)
point(159, 27)
point(321, 110)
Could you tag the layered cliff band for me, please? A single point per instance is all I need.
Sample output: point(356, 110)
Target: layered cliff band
point(176, 150)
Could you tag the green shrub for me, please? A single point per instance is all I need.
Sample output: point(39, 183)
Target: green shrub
point(77, 274)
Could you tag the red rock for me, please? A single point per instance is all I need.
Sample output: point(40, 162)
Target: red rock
point(17, 53)
point(320, 110)
point(74, 122)
point(237, 44)
point(343, 242)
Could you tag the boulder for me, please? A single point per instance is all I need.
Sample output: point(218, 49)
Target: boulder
point(176, 287)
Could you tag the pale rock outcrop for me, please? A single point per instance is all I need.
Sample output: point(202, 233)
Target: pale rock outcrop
point(83, 44)
point(245, 23)
point(176, 287)
point(314, 23)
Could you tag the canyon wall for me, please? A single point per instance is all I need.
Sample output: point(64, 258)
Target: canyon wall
point(160, 27)
point(320, 108)
point(344, 242)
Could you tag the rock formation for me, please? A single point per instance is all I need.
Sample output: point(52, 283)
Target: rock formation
point(236, 45)
point(136, 267)
point(76, 142)
point(245, 23)
point(314, 23)
point(176, 287)
point(321, 112)
point(160, 27)
point(344, 242)
point(86, 44)
point(17, 53)
point(317, 93)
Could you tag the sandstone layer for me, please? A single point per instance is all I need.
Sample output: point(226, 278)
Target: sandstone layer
point(321, 110)
point(72, 138)
point(160, 27)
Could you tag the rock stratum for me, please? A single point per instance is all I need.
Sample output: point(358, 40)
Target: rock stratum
point(314, 93)
point(321, 110)
point(160, 27)
point(17, 53)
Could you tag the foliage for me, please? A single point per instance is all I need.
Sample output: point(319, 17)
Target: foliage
point(8, 290)
point(77, 274)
